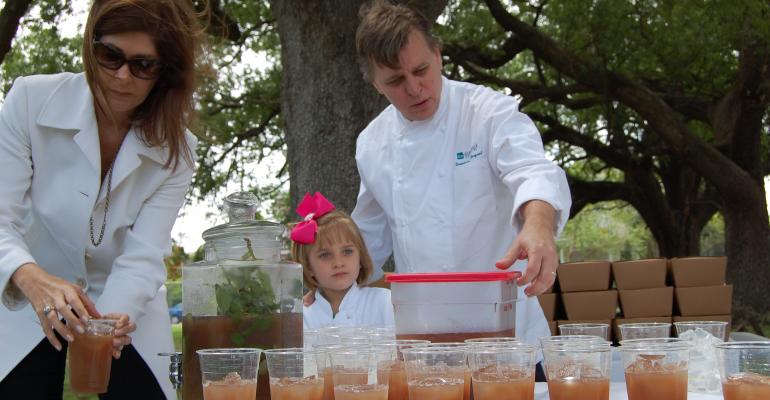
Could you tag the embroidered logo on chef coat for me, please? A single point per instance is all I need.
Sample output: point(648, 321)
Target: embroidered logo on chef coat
point(464, 157)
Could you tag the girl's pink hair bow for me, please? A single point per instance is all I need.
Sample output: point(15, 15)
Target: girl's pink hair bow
point(310, 208)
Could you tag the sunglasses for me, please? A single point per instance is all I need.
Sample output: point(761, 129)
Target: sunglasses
point(111, 57)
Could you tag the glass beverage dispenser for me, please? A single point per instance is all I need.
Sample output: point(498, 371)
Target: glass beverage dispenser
point(241, 295)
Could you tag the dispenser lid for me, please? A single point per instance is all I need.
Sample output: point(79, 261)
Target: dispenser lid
point(426, 277)
point(241, 207)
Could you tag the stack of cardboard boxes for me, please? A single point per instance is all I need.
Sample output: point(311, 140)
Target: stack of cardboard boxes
point(700, 290)
point(644, 296)
point(586, 293)
point(652, 290)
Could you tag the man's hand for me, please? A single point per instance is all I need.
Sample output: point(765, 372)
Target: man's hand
point(536, 243)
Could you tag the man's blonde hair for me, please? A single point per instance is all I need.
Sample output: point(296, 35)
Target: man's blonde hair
point(334, 227)
point(384, 30)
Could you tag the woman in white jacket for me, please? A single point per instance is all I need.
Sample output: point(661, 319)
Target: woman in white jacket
point(95, 168)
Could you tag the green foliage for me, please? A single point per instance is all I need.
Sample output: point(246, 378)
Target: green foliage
point(174, 292)
point(606, 231)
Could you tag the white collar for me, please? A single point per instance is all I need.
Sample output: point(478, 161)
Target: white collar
point(347, 301)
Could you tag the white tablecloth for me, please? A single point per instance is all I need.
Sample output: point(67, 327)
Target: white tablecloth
point(618, 392)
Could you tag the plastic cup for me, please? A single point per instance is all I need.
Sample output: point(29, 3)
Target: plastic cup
point(229, 373)
point(397, 386)
point(655, 368)
point(90, 357)
point(558, 340)
point(578, 370)
point(601, 330)
point(324, 363)
point(437, 372)
point(503, 372)
point(745, 370)
point(645, 330)
point(294, 374)
point(361, 373)
point(715, 328)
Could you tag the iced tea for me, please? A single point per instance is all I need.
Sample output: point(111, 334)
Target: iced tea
point(746, 386)
point(436, 389)
point(328, 384)
point(273, 331)
point(397, 387)
point(579, 389)
point(230, 389)
point(505, 389)
point(361, 392)
point(296, 388)
point(90, 360)
point(659, 385)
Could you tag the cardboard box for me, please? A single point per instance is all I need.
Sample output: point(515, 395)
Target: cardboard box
point(550, 304)
point(584, 276)
point(618, 321)
point(640, 274)
point(608, 322)
point(591, 305)
point(698, 271)
point(552, 326)
point(724, 318)
point(706, 300)
point(656, 302)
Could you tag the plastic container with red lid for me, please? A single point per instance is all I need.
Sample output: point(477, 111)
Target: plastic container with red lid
point(454, 306)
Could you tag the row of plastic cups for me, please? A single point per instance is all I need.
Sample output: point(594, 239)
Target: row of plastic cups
point(645, 330)
point(579, 367)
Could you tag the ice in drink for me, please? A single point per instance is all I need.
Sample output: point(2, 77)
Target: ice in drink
point(436, 389)
point(310, 388)
point(746, 386)
point(579, 389)
point(90, 358)
point(230, 388)
point(361, 392)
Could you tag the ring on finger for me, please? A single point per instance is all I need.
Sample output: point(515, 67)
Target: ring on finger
point(47, 309)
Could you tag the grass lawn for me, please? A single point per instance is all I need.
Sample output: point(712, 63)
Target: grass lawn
point(176, 331)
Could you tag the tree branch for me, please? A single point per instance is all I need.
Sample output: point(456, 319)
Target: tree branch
point(9, 23)
point(708, 161)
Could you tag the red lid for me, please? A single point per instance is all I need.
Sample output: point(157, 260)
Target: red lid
point(452, 277)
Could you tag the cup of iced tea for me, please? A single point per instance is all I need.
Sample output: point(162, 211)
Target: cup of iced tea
point(505, 371)
point(294, 374)
point(397, 387)
point(361, 373)
point(645, 330)
point(715, 328)
point(601, 330)
point(437, 372)
point(578, 370)
point(90, 357)
point(745, 370)
point(229, 374)
point(655, 368)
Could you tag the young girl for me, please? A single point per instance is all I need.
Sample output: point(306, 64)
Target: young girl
point(336, 263)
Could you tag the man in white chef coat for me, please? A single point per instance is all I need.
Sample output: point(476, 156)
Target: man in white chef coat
point(453, 176)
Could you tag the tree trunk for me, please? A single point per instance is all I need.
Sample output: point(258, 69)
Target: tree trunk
point(325, 101)
point(9, 21)
point(747, 244)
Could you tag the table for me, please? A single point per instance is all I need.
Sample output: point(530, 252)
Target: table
point(618, 392)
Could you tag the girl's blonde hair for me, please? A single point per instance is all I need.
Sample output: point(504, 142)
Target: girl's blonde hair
point(334, 227)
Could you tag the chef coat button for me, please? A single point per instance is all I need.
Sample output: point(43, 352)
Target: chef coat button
point(81, 282)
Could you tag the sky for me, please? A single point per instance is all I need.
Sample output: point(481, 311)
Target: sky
point(198, 216)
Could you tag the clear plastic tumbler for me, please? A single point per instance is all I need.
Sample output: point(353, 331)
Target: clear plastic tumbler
point(578, 370)
point(90, 357)
point(745, 370)
point(361, 373)
point(645, 330)
point(436, 372)
point(294, 374)
point(601, 330)
point(506, 371)
point(229, 374)
point(656, 368)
